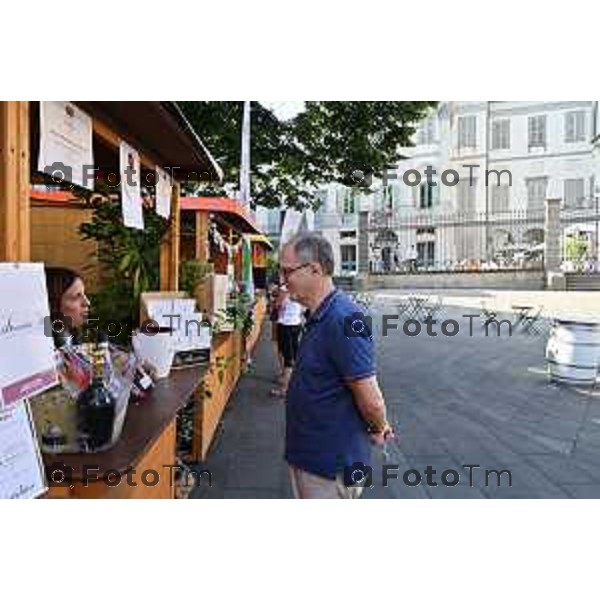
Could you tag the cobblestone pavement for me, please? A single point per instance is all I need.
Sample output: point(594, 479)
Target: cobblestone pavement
point(470, 399)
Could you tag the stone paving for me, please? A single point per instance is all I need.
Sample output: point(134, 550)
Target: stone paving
point(471, 399)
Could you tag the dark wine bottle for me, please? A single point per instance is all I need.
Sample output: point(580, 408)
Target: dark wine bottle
point(96, 406)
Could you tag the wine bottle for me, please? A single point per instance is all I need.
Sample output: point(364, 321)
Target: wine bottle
point(142, 384)
point(95, 405)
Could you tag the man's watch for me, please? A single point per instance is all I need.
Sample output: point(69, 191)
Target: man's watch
point(372, 428)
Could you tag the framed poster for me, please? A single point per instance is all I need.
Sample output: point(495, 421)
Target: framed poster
point(27, 365)
point(66, 151)
point(21, 466)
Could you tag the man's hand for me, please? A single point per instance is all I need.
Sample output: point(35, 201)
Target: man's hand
point(381, 437)
point(370, 403)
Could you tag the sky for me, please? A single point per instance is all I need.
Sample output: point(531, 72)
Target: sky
point(284, 109)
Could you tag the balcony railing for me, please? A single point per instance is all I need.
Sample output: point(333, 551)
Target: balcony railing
point(349, 221)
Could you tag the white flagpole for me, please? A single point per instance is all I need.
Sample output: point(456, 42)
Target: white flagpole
point(245, 166)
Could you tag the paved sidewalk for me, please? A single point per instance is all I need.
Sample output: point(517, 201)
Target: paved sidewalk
point(246, 457)
point(455, 401)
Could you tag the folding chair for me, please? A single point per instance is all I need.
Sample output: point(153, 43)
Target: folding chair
point(401, 308)
point(433, 309)
point(488, 315)
point(531, 322)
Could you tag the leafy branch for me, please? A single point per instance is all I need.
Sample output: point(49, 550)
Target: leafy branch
point(130, 258)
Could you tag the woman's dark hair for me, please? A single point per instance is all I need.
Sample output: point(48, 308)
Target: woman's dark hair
point(58, 281)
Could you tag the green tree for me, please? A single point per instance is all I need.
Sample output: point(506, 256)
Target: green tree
point(130, 259)
point(353, 142)
point(345, 142)
point(576, 248)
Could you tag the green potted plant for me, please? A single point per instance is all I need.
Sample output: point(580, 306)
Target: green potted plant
point(192, 274)
point(130, 260)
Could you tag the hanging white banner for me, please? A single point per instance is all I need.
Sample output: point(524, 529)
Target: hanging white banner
point(164, 192)
point(131, 197)
point(295, 221)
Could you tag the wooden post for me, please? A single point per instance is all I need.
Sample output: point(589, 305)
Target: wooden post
point(202, 235)
point(175, 236)
point(15, 226)
point(169, 250)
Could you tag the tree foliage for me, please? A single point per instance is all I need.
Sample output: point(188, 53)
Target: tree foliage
point(130, 260)
point(345, 142)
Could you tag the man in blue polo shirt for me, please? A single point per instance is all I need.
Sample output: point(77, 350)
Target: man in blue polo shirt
point(335, 409)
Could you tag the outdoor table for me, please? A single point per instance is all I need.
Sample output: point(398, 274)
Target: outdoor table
point(416, 307)
point(148, 442)
point(401, 308)
point(522, 313)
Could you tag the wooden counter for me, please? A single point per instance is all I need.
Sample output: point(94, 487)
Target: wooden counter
point(148, 442)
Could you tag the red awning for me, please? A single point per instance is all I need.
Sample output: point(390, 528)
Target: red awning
point(240, 217)
point(57, 196)
point(228, 206)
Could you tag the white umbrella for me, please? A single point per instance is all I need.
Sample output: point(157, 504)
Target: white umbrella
point(580, 228)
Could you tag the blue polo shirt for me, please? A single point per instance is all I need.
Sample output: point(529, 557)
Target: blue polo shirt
point(324, 430)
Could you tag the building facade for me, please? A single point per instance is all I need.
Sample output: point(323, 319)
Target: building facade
point(471, 188)
point(491, 166)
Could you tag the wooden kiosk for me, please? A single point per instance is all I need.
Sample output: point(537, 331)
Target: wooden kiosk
point(162, 137)
point(230, 219)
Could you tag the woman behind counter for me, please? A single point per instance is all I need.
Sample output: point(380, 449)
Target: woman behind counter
point(69, 306)
point(69, 310)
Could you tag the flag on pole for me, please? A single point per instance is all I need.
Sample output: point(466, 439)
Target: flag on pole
point(245, 166)
point(247, 268)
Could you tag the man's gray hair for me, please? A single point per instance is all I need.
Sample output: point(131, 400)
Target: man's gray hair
point(313, 247)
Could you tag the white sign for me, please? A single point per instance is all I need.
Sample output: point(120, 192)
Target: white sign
point(21, 466)
point(27, 364)
point(66, 144)
point(164, 191)
point(190, 330)
point(131, 196)
point(295, 222)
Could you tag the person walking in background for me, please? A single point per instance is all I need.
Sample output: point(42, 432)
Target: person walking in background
point(396, 261)
point(274, 306)
point(413, 257)
point(335, 409)
point(289, 326)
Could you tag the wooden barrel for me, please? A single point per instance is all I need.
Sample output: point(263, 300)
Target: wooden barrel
point(573, 352)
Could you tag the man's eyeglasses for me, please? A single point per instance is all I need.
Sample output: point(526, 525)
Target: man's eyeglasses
point(285, 272)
